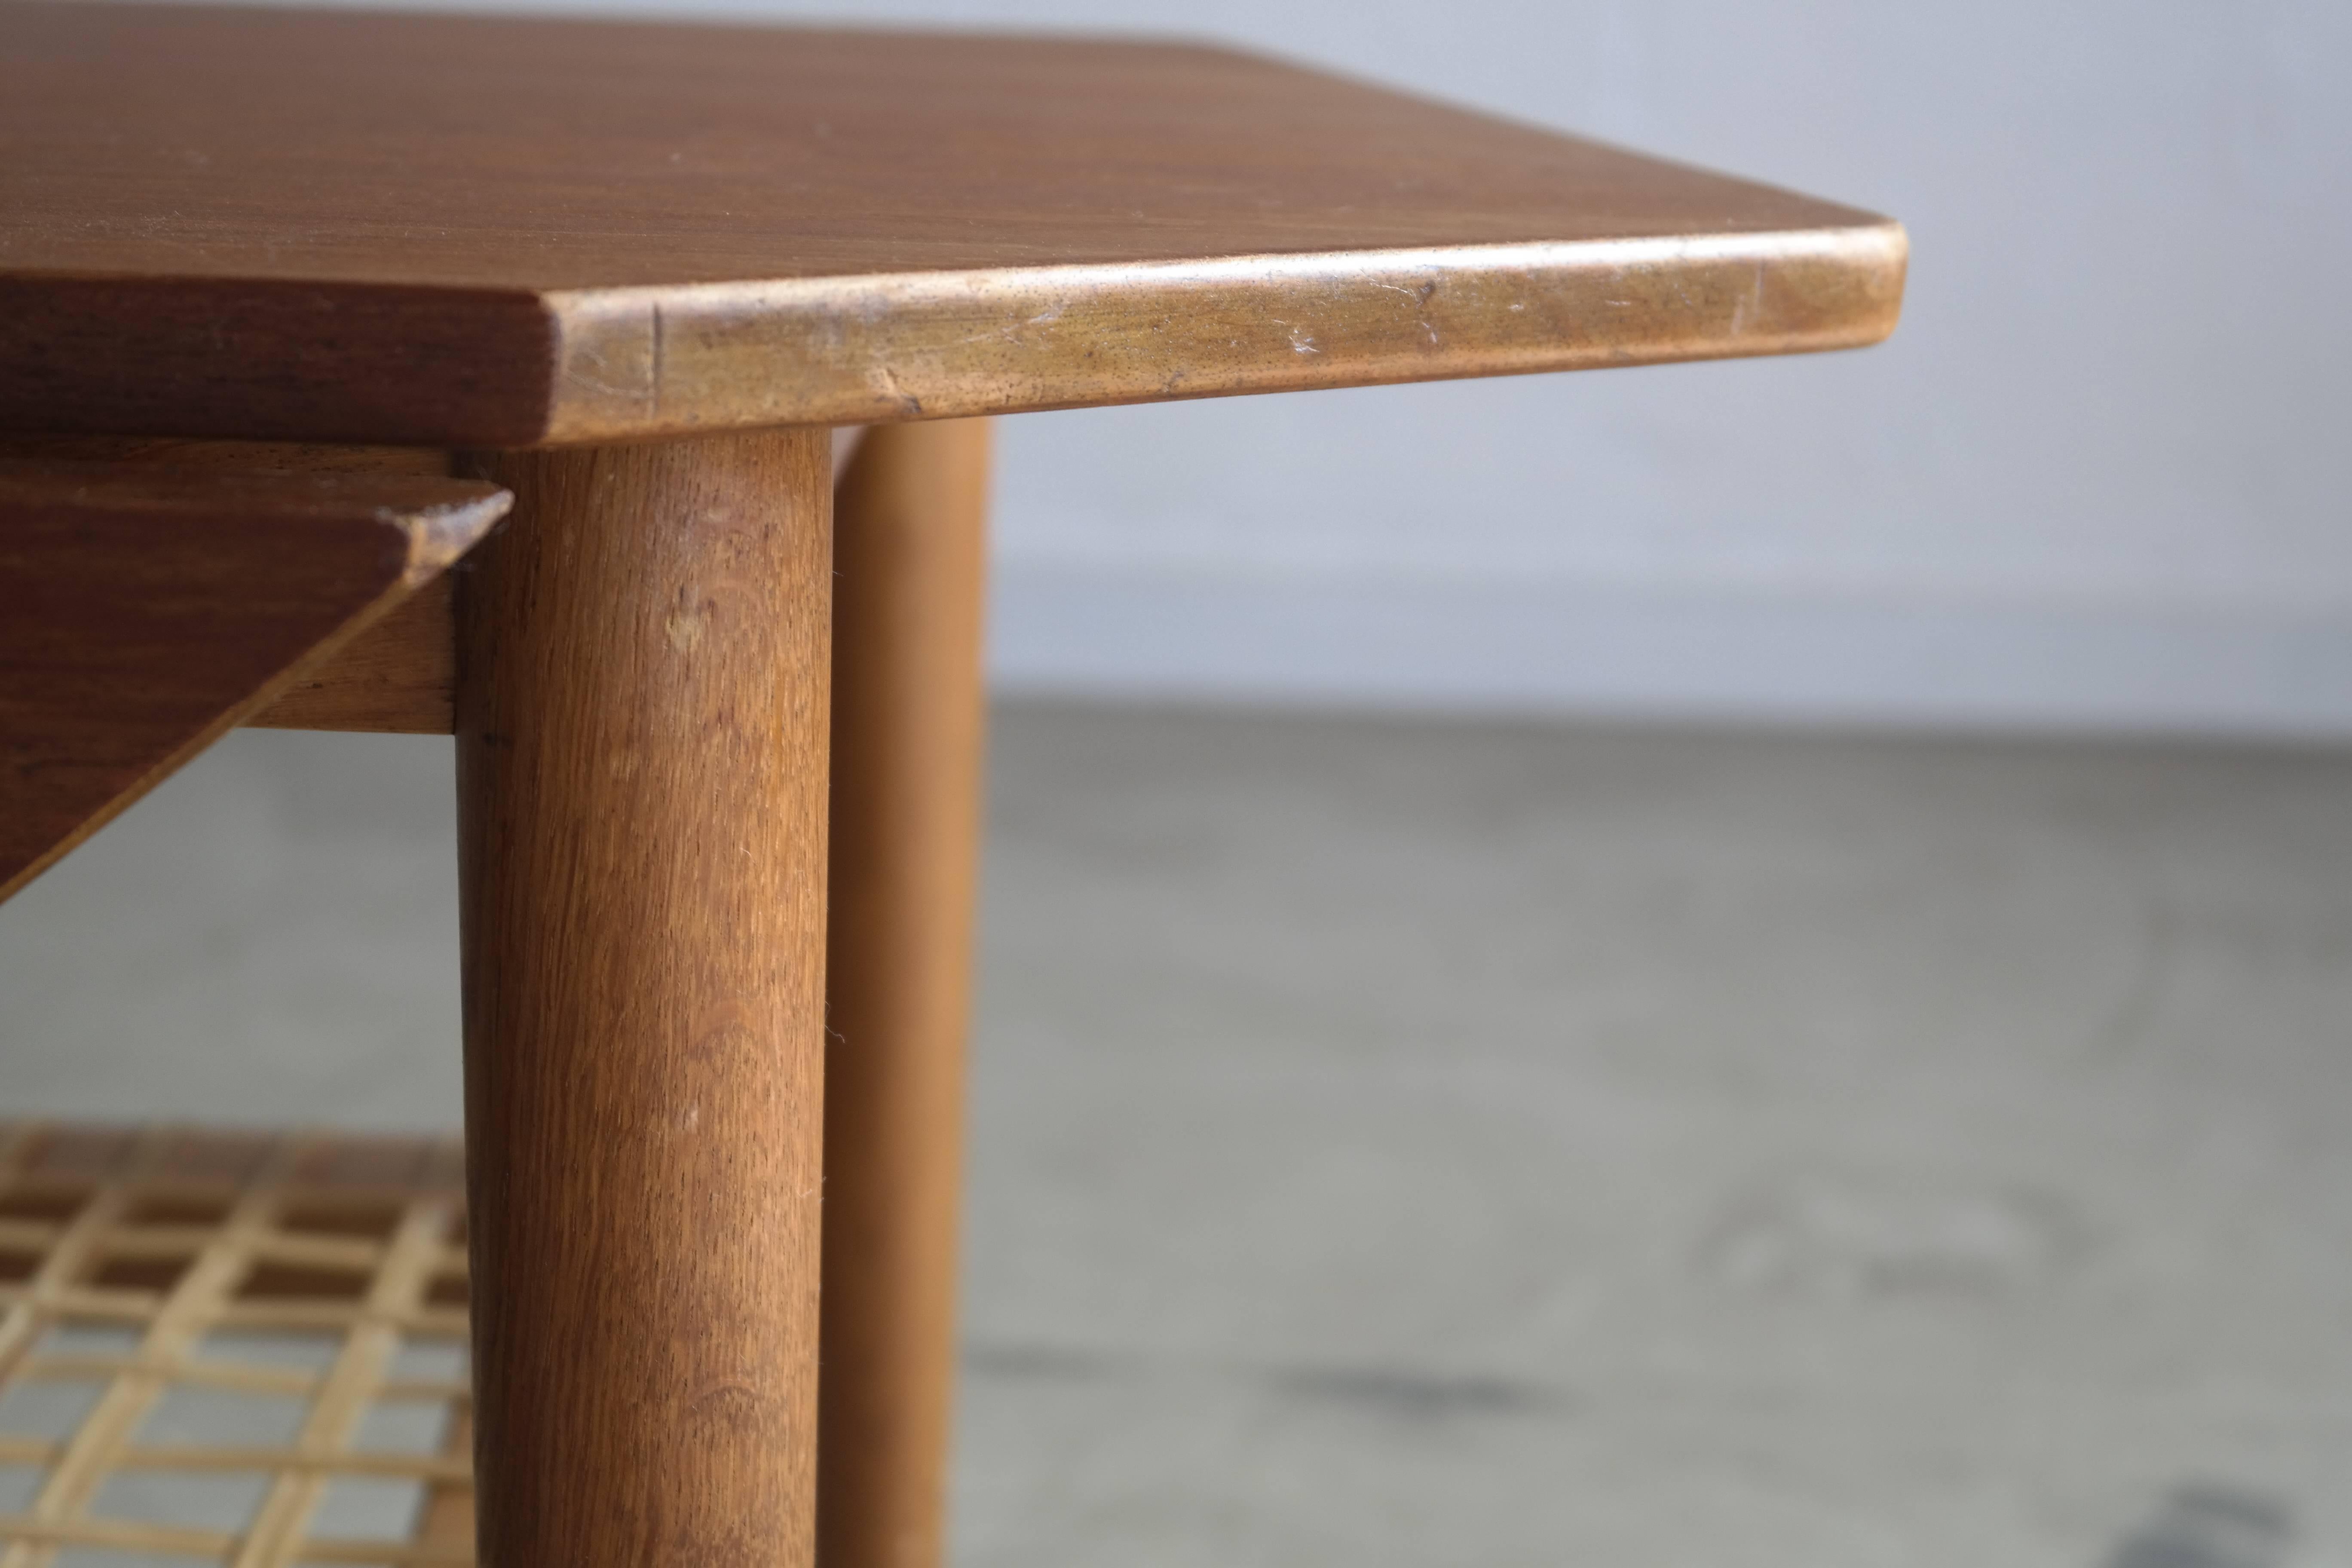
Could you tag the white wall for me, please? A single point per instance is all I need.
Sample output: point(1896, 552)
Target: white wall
point(2092, 479)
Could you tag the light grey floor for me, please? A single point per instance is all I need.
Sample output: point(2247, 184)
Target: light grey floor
point(1418, 1143)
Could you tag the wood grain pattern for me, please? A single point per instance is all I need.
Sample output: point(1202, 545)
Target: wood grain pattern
point(145, 608)
point(227, 456)
point(910, 551)
point(400, 673)
point(398, 676)
point(641, 724)
point(503, 231)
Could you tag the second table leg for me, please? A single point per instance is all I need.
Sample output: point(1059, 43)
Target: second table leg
point(907, 735)
point(642, 733)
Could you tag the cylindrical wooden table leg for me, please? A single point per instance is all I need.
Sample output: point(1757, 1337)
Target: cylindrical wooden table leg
point(907, 725)
point(641, 727)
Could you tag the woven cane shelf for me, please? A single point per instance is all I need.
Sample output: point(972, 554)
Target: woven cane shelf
point(234, 1349)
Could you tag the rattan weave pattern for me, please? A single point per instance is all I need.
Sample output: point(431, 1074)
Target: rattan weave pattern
point(298, 1270)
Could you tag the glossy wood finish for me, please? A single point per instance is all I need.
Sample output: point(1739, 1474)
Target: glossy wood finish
point(504, 231)
point(146, 608)
point(642, 739)
point(910, 543)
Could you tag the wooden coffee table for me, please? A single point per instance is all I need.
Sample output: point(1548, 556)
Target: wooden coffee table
point(294, 306)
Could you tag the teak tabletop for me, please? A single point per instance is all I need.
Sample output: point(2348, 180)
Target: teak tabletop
point(504, 232)
point(717, 708)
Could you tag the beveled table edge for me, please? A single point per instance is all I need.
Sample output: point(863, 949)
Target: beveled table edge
point(270, 358)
